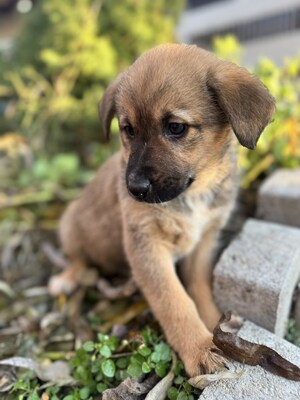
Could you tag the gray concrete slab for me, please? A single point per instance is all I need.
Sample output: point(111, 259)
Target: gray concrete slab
point(257, 273)
point(257, 383)
point(279, 197)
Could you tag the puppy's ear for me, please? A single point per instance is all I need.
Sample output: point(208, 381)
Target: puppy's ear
point(246, 103)
point(107, 107)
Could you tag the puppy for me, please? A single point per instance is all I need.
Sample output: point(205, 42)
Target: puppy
point(158, 205)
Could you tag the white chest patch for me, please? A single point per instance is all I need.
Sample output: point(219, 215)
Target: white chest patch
point(185, 225)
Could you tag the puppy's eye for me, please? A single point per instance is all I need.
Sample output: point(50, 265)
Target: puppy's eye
point(129, 131)
point(176, 129)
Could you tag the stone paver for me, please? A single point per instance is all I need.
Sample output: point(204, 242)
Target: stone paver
point(257, 383)
point(257, 273)
point(279, 197)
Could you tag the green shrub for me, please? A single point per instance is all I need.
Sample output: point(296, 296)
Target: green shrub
point(279, 145)
point(68, 52)
point(103, 364)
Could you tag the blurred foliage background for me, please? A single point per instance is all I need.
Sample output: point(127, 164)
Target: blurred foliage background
point(50, 146)
point(54, 84)
point(65, 56)
point(279, 145)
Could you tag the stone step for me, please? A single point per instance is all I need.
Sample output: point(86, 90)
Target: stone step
point(279, 197)
point(257, 273)
point(257, 383)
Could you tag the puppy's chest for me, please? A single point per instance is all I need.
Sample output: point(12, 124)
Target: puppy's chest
point(184, 228)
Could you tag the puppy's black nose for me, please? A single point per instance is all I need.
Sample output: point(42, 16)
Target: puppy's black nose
point(138, 186)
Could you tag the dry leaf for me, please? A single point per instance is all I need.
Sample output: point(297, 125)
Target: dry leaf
point(127, 289)
point(7, 290)
point(50, 321)
point(202, 381)
point(253, 354)
point(7, 380)
point(57, 372)
point(55, 256)
point(125, 316)
point(20, 362)
point(159, 392)
point(131, 388)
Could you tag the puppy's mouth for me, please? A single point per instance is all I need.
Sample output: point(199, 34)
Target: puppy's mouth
point(149, 192)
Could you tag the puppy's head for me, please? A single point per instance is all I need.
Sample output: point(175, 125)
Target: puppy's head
point(177, 106)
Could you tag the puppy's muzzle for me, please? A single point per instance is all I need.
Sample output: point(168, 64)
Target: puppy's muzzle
point(138, 186)
point(143, 188)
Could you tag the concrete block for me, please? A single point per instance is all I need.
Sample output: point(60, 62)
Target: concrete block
point(257, 273)
point(279, 197)
point(257, 383)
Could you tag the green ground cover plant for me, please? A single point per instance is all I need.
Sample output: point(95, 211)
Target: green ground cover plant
point(104, 364)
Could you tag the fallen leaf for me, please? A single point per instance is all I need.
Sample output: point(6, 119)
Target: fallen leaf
point(251, 353)
point(7, 290)
point(123, 318)
point(7, 255)
point(56, 372)
point(160, 390)
point(51, 320)
point(20, 362)
point(201, 381)
point(55, 256)
point(131, 388)
point(7, 380)
point(39, 291)
point(116, 292)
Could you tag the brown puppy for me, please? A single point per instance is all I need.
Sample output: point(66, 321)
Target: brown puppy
point(164, 197)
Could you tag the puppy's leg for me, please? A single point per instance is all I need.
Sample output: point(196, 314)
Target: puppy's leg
point(154, 272)
point(67, 281)
point(196, 273)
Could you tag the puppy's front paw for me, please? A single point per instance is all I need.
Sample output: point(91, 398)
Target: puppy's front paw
point(206, 359)
point(61, 284)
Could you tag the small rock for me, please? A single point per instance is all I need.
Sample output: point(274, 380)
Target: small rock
point(279, 197)
point(257, 273)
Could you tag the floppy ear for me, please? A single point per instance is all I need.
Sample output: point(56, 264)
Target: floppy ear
point(246, 103)
point(107, 107)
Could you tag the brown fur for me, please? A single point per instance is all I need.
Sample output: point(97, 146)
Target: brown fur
point(107, 226)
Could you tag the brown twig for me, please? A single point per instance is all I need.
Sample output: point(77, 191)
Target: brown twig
point(253, 354)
